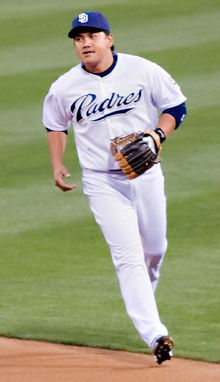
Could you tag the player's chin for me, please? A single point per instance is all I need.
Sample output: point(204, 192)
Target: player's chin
point(89, 59)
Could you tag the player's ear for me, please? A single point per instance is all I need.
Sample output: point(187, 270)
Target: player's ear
point(110, 39)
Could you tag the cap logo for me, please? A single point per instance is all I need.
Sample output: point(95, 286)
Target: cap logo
point(83, 18)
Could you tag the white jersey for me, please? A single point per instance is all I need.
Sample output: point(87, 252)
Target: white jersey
point(99, 109)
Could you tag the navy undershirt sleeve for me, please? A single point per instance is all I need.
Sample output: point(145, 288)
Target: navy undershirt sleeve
point(65, 131)
point(178, 112)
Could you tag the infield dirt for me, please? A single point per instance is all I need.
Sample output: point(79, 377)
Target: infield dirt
point(34, 361)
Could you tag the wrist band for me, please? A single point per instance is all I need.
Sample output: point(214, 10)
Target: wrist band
point(161, 134)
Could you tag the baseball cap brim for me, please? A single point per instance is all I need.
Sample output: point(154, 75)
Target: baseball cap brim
point(76, 31)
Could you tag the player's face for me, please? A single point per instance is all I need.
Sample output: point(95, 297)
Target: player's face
point(94, 50)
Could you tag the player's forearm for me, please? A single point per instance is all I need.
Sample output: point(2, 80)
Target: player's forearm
point(167, 124)
point(57, 144)
point(171, 118)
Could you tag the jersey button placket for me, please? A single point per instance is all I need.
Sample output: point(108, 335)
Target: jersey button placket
point(104, 95)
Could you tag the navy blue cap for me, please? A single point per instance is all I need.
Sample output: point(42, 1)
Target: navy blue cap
point(94, 20)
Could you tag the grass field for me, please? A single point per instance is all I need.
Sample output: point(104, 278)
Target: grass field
point(57, 279)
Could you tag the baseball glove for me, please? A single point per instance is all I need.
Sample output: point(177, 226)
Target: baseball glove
point(137, 152)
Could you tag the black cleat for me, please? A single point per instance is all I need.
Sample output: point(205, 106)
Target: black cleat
point(163, 349)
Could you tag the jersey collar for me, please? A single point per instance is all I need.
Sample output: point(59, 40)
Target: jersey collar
point(109, 70)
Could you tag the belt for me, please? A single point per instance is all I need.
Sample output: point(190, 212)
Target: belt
point(118, 170)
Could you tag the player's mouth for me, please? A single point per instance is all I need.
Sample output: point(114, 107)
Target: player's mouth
point(88, 53)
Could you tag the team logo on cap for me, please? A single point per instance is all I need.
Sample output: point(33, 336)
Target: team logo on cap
point(83, 18)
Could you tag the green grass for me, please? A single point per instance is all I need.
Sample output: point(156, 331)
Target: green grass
point(57, 279)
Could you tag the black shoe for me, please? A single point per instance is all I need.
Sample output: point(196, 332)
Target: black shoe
point(163, 349)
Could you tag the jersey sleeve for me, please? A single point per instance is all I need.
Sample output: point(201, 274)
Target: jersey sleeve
point(55, 116)
point(166, 93)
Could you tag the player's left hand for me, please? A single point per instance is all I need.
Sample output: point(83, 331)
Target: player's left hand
point(59, 174)
point(137, 152)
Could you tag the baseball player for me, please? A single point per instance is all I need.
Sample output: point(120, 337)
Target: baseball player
point(122, 108)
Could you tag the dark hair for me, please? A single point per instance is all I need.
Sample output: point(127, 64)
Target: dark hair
point(112, 47)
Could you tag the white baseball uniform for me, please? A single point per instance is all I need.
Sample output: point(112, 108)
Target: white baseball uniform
point(130, 213)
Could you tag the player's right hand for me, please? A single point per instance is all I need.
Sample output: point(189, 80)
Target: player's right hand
point(59, 175)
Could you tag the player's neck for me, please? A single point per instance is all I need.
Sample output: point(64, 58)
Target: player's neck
point(109, 70)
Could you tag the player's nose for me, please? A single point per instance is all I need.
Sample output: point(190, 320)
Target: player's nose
point(86, 41)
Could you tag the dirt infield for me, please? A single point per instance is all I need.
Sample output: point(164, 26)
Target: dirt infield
point(33, 361)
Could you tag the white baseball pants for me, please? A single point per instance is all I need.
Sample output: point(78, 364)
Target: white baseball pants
point(132, 217)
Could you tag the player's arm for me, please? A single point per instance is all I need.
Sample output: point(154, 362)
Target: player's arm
point(170, 120)
point(57, 145)
point(167, 124)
